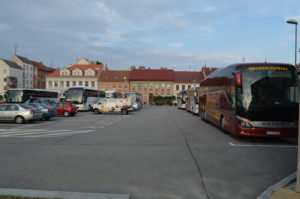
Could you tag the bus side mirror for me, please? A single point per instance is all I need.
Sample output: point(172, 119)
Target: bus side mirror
point(238, 79)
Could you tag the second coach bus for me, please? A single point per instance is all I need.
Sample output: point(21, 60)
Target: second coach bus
point(252, 99)
point(192, 100)
point(83, 97)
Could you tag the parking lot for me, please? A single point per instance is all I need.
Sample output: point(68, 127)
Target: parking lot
point(157, 152)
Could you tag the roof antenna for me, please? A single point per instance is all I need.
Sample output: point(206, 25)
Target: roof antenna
point(266, 57)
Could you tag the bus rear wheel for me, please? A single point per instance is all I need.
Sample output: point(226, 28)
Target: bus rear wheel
point(96, 111)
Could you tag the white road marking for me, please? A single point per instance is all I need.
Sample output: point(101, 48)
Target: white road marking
point(59, 134)
point(41, 133)
point(261, 145)
point(24, 133)
point(11, 131)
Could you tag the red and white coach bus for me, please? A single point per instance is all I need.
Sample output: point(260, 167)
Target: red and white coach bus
point(252, 99)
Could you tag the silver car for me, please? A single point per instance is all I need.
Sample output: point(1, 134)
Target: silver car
point(19, 113)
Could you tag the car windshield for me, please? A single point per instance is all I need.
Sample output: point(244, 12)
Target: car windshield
point(26, 106)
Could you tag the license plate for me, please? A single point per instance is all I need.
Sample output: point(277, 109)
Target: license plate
point(273, 133)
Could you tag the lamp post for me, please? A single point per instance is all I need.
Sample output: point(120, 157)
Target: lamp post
point(292, 21)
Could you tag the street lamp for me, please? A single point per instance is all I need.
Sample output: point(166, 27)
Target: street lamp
point(292, 21)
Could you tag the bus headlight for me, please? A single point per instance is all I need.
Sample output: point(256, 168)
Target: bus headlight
point(243, 122)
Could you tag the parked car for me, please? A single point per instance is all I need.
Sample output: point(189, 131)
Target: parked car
point(47, 111)
point(19, 113)
point(108, 105)
point(65, 108)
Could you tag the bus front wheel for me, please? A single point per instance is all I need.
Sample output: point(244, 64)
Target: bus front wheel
point(222, 124)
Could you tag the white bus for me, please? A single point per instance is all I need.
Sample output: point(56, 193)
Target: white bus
point(192, 100)
point(181, 99)
point(24, 95)
point(113, 94)
point(83, 97)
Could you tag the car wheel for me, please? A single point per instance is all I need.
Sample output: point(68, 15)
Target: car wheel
point(124, 112)
point(96, 111)
point(222, 124)
point(66, 114)
point(19, 120)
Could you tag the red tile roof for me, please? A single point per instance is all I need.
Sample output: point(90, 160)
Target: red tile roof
point(187, 77)
point(56, 73)
point(42, 67)
point(151, 75)
point(114, 75)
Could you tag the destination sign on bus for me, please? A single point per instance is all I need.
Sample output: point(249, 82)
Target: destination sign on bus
point(268, 68)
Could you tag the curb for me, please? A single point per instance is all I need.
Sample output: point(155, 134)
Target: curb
point(282, 183)
point(60, 194)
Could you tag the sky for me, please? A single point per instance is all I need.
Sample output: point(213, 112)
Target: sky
point(177, 34)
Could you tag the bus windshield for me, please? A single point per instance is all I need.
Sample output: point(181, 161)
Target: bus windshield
point(14, 96)
point(268, 93)
point(74, 96)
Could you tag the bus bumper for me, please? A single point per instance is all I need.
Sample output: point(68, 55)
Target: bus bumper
point(267, 132)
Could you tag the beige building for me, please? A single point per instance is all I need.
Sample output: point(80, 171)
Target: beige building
point(75, 75)
point(151, 82)
point(11, 76)
point(183, 80)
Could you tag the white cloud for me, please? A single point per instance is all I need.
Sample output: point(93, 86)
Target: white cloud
point(205, 28)
point(106, 13)
point(175, 45)
point(209, 9)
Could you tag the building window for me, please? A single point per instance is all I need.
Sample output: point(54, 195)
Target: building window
point(74, 83)
point(80, 83)
point(189, 86)
point(61, 85)
point(93, 84)
point(183, 87)
point(55, 84)
point(86, 83)
point(107, 77)
point(124, 78)
point(177, 87)
point(115, 77)
point(50, 83)
point(68, 84)
point(181, 78)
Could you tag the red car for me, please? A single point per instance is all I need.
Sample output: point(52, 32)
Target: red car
point(65, 108)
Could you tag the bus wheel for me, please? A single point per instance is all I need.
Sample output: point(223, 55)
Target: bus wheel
point(203, 115)
point(66, 114)
point(96, 111)
point(222, 124)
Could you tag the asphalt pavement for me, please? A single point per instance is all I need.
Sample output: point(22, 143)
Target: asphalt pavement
point(157, 152)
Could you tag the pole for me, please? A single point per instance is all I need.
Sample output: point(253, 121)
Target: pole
point(296, 45)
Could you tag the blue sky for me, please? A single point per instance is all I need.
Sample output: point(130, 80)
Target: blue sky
point(178, 34)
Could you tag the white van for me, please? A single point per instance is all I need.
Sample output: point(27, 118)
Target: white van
point(108, 105)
